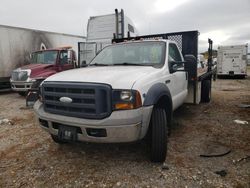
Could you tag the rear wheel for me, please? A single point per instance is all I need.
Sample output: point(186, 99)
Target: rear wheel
point(206, 91)
point(159, 135)
point(242, 76)
point(57, 140)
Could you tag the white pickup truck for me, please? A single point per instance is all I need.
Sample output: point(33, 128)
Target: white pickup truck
point(127, 92)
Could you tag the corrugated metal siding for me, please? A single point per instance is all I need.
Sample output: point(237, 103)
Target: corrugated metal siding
point(16, 44)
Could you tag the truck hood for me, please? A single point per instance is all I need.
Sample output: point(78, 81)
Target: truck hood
point(38, 69)
point(119, 77)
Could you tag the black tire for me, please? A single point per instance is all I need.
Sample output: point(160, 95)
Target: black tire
point(214, 77)
point(159, 135)
point(57, 140)
point(22, 93)
point(36, 84)
point(242, 77)
point(206, 91)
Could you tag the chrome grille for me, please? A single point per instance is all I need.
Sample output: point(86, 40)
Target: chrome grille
point(19, 75)
point(91, 101)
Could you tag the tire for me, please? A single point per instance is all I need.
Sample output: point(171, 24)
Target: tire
point(57, 140)
point(36, 84)
point(214, 77)
point(22, 93)
point(242, 77)
point(159, 135)
point(206, 91)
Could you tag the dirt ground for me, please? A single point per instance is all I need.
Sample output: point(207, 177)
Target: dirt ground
point(29, 157)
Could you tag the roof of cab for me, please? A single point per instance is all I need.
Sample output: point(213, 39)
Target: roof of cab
point(57, 48)
point(141, 40)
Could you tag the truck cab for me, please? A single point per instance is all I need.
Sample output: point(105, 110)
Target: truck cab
point(43, 63)
point(113, 99)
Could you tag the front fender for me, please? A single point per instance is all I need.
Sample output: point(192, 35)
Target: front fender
point(44, 75)
point(155, 93)
point(161, 93)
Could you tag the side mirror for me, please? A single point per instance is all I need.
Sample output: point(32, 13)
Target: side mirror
point(190, 66)
point(190, 58)
point(173, 67)
point(84, 64)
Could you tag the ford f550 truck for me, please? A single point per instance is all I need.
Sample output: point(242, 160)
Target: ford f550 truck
point(128, 92)
point(44, 63)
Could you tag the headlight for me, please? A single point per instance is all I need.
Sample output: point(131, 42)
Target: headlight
point(126, 99)
point(126, 95)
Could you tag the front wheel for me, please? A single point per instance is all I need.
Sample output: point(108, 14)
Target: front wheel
point(159, 135)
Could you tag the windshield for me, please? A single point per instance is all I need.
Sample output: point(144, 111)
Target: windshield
point(136, 53)
point(44, 57)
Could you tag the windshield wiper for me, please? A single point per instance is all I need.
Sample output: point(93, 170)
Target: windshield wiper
point(98, 64)
point(127, 63)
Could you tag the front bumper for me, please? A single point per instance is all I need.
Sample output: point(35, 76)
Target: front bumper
point(21, 85)
point(120, 126)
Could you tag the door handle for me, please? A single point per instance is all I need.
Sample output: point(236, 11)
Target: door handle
point(167, 81)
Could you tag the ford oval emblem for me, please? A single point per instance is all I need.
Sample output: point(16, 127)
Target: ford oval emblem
point(66, 100)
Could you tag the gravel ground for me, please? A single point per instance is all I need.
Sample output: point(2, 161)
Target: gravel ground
point(29, 158)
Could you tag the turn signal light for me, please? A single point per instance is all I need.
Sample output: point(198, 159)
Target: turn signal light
point(124, 106)
point(128, 101)
point(138, 102)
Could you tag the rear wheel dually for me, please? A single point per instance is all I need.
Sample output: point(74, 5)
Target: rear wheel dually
point(206, 91)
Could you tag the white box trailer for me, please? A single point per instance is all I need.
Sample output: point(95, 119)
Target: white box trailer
point(100, 32)
point(232, 60)
point(16, 45)
point(248, 59)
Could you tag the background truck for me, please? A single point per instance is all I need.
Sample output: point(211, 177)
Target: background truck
point(101, 30)
point(232, 60)
point(16, 45)
point(43, 63)
point(128, 92)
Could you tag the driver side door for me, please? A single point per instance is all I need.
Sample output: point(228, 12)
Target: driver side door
point(178, 79)
point(66, 60)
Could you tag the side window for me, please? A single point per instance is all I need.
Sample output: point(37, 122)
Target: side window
point(64, 59)
point(131, 28)
point(174, 54)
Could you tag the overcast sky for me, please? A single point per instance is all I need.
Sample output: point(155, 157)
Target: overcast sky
point(227, 22)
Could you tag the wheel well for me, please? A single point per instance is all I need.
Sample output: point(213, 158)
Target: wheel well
point(166, 103)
